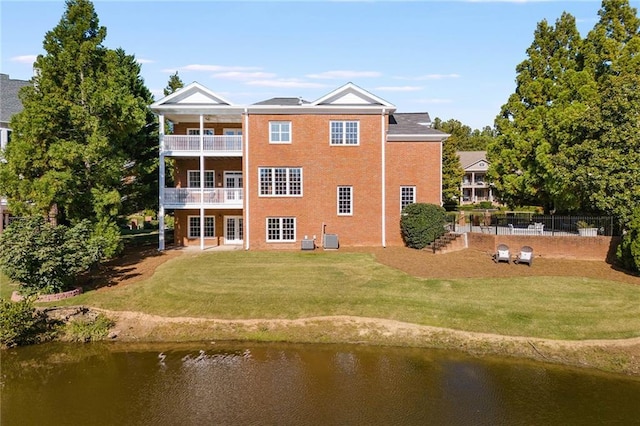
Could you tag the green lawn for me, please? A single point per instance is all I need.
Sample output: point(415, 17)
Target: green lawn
point(240, 284)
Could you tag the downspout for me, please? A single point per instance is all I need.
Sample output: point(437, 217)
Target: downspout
point(201, 182)
point(384, 178)
point(245, 135)
point(161, 179)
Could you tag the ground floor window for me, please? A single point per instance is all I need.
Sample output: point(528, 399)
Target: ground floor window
point(407, 196)
point(209, 226)
point(281, 229)
point(345, 201)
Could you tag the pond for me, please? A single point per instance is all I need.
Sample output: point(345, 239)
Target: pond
point(248, 383)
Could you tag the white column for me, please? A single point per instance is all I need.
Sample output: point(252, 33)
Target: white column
point(161, 179)
point(245, 173)
point(384, 178)
point(201, 182)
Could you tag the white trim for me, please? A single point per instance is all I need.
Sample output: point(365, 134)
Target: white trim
point(246, 178)
point(280, 142)
point(161, 179)
point(280, 229)
point(344, 132)
point(338, 188)
point(383, 155)
point(352, 89)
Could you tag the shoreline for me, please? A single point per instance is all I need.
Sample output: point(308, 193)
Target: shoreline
point(611, 356)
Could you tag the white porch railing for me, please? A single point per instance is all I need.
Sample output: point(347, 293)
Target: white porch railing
point(190, 197)
point(220, 144)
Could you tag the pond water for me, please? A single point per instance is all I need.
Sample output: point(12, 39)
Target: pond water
point(280, 384)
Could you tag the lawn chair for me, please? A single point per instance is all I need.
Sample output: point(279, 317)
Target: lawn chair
point(525, 256)
point(503, 254)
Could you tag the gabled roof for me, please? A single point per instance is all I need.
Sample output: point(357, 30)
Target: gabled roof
point(193, 94)
point(413, 126)
point(470, 158)
point(352, 95)
point(10, 103)
point(283, 101)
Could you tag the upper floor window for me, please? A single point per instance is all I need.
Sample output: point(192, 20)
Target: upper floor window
point(279, 132)
point(195, 132)
point(280, 181)
point(345, 133)
point(345, 200)
point(407, 196)
point(193, 179)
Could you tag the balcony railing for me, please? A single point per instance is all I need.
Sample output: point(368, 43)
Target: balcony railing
point(191, 197)
point(229, 144)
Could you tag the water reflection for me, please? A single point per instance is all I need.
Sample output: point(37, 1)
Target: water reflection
point(234, 384)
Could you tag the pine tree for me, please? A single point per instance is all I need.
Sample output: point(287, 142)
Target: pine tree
point(84, 145)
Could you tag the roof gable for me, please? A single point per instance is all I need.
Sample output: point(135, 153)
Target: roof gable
point(350, 94)
point(473, 160)
point(192, 94)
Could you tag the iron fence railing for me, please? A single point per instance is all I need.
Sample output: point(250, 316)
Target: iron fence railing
point(530, 223)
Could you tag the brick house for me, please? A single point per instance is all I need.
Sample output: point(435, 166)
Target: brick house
point(284, 172)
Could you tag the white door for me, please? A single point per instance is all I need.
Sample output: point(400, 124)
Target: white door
point(233, 180)
point(233, 230)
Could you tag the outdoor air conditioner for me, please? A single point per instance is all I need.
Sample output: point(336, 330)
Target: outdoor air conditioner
point(308, 244)
point(330, 241)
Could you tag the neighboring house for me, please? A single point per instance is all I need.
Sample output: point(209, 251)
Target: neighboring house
point(474, 187)
point(284, 172)
point(9, 105)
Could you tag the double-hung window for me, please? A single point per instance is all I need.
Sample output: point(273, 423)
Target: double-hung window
point(195, 132)
point(279, 132)
point(280, 181)
point(345, 201)
point(209, 226)
point(281, 229)
point(407, 196)
point(345, 133)
point(193, 178)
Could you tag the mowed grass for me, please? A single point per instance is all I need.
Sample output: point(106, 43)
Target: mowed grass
point(268, 285)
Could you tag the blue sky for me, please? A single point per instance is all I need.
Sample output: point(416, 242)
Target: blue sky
point(453, 59)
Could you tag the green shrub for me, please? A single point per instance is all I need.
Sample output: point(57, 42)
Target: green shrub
point(106, 239)
point(628, 251)
point(45, 258)
point(20, 323)
point(88, 329)
point(421, 224)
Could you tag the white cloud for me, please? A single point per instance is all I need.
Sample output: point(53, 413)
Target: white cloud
point(214, 68)
point(398, 88)
point(435, 101)
point(25, 59)
point(430, 77)
point(345, 74)
point(144, 61)
point(243, 75)
point(287, 83)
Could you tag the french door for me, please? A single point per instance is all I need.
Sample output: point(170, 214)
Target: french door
point(233, 230)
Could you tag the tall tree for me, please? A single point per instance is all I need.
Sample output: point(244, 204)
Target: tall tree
point(174, 83)
point(84, 144)
point(519, 166)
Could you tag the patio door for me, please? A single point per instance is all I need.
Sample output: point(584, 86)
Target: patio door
point(232, 180)
point(233, 230)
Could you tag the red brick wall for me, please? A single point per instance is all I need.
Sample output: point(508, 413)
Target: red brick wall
point(324, 168)
point(410, 164)
point(575, 247)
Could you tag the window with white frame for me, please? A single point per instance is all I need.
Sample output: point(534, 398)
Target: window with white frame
point(345, 132)
point(280, 181)
point(195, 132)
point(209, 226)
point(281, 229)
point(407, 196)
point(345, 200)
point(279, 132)
point(193, 178)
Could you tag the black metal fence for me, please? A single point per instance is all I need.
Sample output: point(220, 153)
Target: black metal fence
point(530, 223)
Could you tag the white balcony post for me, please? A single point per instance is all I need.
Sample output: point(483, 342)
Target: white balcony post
point(161, 178)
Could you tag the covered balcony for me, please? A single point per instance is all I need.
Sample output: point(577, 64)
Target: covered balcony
point(222, 198)
point(212, 145)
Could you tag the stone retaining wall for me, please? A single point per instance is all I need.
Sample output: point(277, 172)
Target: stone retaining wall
point(16, 297)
